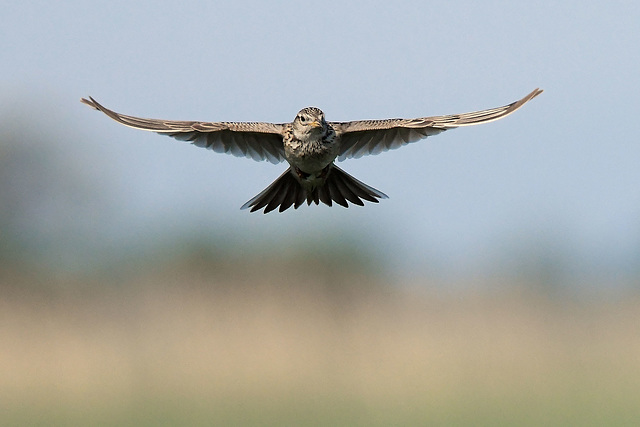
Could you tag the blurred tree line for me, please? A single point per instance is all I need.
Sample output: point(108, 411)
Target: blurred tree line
point(42, 193)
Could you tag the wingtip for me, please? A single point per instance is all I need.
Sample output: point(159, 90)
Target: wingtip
point(537, 91)
point(90, 102)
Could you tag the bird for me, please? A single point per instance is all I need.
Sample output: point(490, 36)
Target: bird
point(310, 145)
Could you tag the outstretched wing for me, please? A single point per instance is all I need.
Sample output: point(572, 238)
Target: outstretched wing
point(364, 137)
point(255, 140)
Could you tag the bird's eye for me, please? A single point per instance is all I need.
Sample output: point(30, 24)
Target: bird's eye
point(302, 119)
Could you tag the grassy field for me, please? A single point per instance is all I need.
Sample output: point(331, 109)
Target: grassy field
point(185, 349)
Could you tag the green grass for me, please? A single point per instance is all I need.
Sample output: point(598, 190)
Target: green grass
point(572, 407)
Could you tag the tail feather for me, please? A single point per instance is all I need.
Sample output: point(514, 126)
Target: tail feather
point(265, 196)
point(300, 197)
point(279, 196)
point(351, 188)
point(290, 196)
point(334, 192)
point(362, 190)
point(339, 187)
point(344, 190)
point(323, 193)
point(314, 197)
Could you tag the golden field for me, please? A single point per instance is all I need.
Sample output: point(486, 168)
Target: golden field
point(276, 346)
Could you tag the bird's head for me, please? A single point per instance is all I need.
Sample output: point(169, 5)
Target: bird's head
point(310, 121)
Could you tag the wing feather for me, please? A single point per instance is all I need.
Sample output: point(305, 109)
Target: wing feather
point(359, 138)
point(255, 140)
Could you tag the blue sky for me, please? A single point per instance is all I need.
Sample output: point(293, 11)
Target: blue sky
point(561, 173)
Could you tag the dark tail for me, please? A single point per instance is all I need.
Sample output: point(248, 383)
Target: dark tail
point(338, 187)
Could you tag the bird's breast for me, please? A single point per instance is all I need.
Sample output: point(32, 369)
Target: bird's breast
point(311, 156)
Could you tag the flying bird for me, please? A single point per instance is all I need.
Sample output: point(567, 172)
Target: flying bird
point(310, 145)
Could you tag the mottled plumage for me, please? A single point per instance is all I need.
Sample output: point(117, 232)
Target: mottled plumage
point(310, 145)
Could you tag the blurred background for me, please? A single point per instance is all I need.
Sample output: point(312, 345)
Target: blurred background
point(499, 284)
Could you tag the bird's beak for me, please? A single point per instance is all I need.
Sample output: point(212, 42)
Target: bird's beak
point(316, 124)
